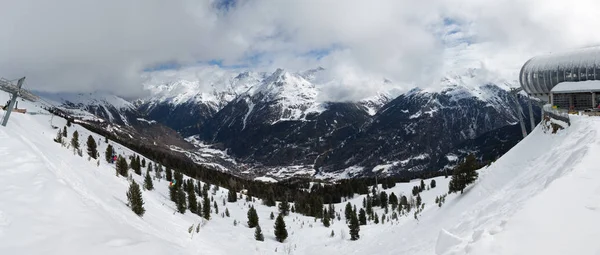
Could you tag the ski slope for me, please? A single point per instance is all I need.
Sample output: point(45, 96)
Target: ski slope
point(542, 197)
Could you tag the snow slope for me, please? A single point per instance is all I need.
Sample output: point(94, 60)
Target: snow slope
point(542, 197)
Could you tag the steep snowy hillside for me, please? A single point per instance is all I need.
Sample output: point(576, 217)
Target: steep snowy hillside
point(539, 198)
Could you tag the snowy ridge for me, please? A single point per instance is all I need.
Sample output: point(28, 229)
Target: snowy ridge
point(211, 86)
point(374, 103)
point(102, 99)
point(92, 106)
point(295, 95)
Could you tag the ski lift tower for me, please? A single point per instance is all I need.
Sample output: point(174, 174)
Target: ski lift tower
point(513, 93)
point(15, 91)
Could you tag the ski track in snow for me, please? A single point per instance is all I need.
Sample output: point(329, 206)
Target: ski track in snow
point(542, 197)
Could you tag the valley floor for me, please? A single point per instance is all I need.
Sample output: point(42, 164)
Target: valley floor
point(542, 197)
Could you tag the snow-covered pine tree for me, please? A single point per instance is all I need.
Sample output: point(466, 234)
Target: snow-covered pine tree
point(280, 231)
point(134, 197)
point(272, 216)
point(64, 132)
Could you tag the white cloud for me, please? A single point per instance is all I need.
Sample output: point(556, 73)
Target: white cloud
point(90, 44)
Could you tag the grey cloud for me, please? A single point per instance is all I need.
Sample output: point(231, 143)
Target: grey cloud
point(83, 45)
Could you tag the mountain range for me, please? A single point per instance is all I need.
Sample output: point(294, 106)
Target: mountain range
point(276, 125)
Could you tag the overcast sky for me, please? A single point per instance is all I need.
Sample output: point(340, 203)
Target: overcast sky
point(86, 45)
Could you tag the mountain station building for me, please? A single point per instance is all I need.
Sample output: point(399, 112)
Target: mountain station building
point(568, 80)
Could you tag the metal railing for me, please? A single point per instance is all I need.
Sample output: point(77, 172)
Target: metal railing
point(557, 114)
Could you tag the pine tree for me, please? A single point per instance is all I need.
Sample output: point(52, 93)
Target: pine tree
point(383, 197)
point(376, 219)
point(326, 220)
point(231, 196)
point(173, 193)
point(157, 171)
point(419, 200)
point(348, 212)
point(59, 138)
point(199, 210)
point(354, 227)
point(331, 211)
point(169, 175)
point(122, 167)
point(75, 140)
point(227, 212)
point(92, 149)
point(148, 181)
point(362, 218)
point(252, 217)
point(138, 164)
point(144, 163)
point(432, 184)
point(134, 197)
point(181, 200)
point(369, 207)
point(216, 207)
point(108, 153)
point(258, 235)
point(280, 231)
point(192, 202)
point(464, 174)
point(272, 216)
point(64, 132)
point(284, 207)
point(393, 201)
point(422, 186)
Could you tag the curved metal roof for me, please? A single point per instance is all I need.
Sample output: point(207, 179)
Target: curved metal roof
point(540, 74)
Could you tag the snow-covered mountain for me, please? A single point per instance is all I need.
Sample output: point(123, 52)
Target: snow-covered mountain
point(96, 105)
point(54, 201)
point(185, 100)
point(269, 122)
